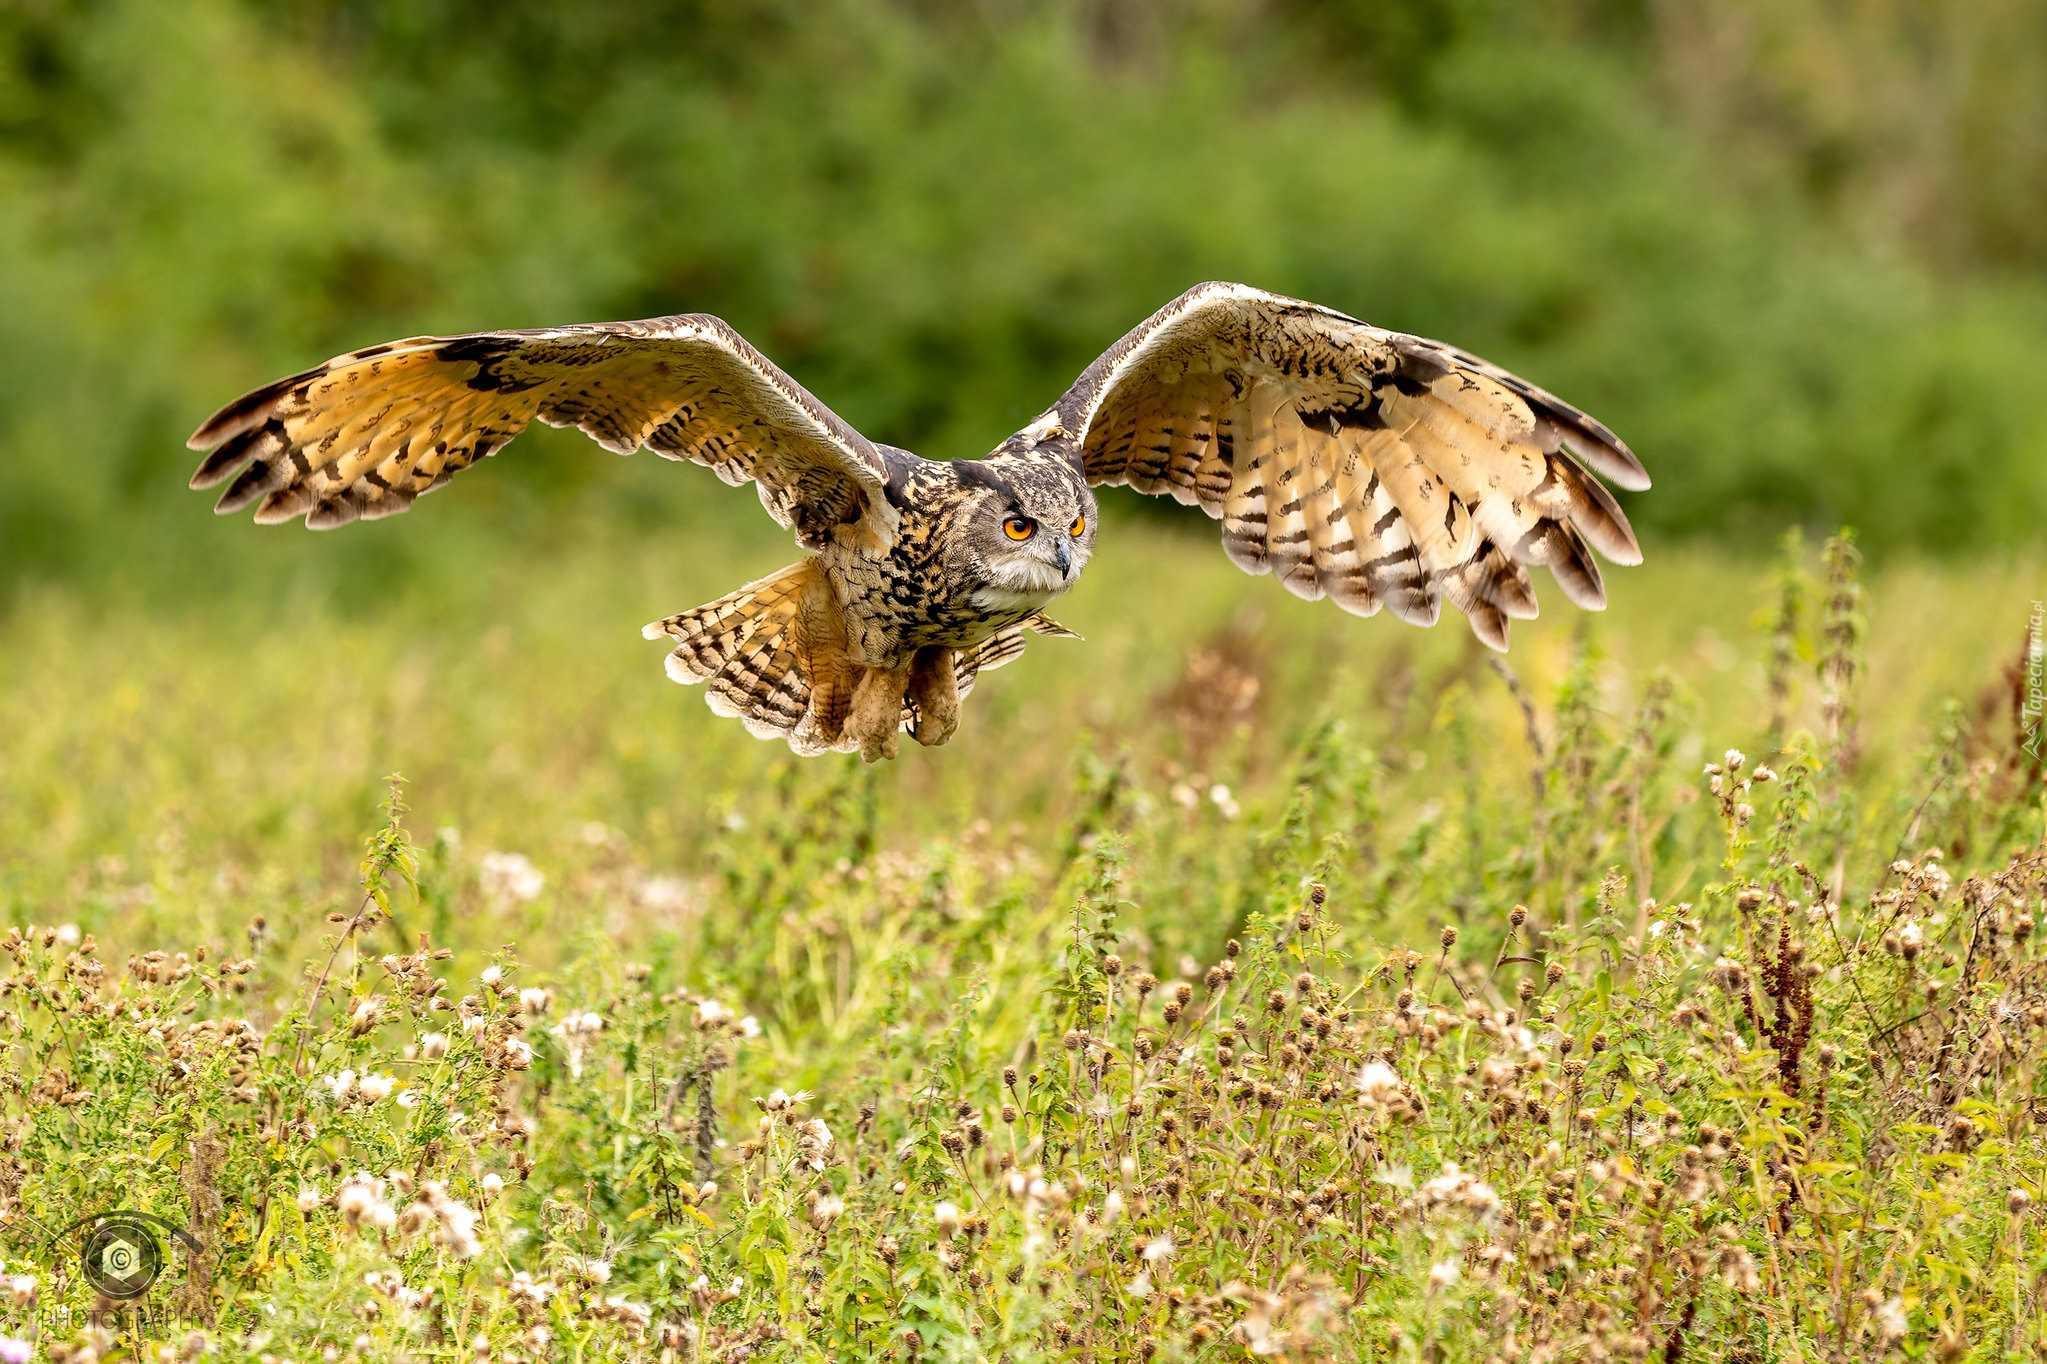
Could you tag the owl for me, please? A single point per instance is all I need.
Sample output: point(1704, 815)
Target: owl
point(1367, 466)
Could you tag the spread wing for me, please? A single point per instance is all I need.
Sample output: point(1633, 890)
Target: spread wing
point(1368, 466)
point(365, 433)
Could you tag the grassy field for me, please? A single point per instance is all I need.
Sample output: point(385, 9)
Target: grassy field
point(1247, 980)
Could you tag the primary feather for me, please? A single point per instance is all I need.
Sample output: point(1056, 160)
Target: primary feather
point(1369, 466)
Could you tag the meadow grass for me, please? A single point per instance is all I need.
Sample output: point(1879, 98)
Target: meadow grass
point(1247, 980)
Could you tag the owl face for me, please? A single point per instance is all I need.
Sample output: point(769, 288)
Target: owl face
point(1030, 538)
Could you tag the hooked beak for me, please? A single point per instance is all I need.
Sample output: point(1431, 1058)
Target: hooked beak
point(1063, 554)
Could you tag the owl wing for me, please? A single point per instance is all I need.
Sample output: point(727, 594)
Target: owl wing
point(1368, 466)
point(365, 433)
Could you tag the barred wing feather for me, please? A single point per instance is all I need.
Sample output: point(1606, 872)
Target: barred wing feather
point(364, 434)
point(1368, 466)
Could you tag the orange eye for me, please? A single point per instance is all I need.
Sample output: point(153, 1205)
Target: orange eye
point(1019, 528)
point(1079, 524)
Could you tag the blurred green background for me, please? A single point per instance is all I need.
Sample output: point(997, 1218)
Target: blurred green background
point(1791, 249)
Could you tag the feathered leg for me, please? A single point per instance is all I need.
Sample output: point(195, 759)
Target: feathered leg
point(934, 691)
point(877, 712)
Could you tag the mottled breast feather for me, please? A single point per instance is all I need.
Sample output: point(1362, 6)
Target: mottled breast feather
point(364, 434)
point(1361, 464)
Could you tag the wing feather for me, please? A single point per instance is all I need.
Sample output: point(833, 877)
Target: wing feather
point(1368, 466)
point(366, 433)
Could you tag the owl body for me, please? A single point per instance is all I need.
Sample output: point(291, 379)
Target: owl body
point(1375, 468)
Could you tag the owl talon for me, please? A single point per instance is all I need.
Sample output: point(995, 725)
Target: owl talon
point(935, 694)
point(877, 712)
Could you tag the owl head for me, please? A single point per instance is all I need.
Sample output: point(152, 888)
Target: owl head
point(1031, 530)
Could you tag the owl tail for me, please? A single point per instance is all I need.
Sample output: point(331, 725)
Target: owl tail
point(773, 654)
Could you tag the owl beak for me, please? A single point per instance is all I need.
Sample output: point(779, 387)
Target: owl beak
point(1063, 555)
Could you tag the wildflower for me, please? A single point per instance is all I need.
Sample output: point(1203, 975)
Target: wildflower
point(1738, 1267)
point(1378, 1081)
point(663, 894)
point(491, 977)
point(376, 1088)
point(711, 1014)
point(493, 1184)
point(1890, 1323)
point(813, 1143)
point(309, 1199)
point(534, 1000)
point(527, 1293)
point(826, 1210)
point(1158, 1248)
point(749, 1027)
point(342, 1085)
point(1442, 1274)
point(576, 1031)
point(1453, 1188)
point(1729, 975)
point(631, 1314)
point(21, 1290)
point(589, 1271)
point(947, 1216)
point(518, 1055)
point(510, 876)
point(457, 1220)
point(360, 1199)
point(434, 1046)
point(1911, 938)
point(14, 1351)
point(2019, 1201)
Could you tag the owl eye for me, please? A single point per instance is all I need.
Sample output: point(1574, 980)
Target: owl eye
point(1079, 524)
point(1019, 528)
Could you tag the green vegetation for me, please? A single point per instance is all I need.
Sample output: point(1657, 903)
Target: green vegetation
point(1180, 1009)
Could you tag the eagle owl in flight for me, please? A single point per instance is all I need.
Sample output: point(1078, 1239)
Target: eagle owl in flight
point(1364, 465)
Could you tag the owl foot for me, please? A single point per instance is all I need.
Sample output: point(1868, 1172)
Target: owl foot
point(934, 691)
point(876, 715)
